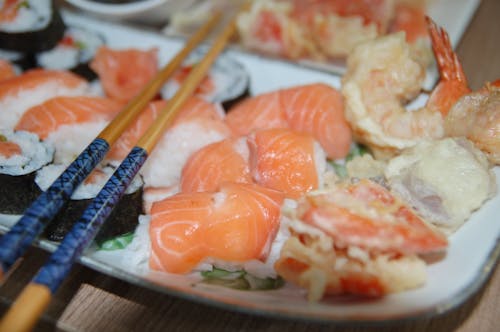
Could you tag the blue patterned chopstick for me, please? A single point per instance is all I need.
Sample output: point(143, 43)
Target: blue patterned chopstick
point(15, 242)
point(85, 229)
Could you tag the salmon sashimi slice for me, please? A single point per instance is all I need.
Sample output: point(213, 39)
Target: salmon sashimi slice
point(198, 123)
point(237, 223)
point(47, 117)
point(224, 161)
point(260, 112)
point(6, 70)
point(176, 232)
point(286, 160)
point(315, 108)
point(123, 73)
point(368, 216)
point(318, 109)
point(22, 92)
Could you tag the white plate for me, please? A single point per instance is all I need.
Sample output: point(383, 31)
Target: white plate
point(472, 253)
point(146, 11)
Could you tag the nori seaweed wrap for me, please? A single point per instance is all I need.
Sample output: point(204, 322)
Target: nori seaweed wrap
point(123, 219)
point(34, 26)
point(18, 168)
point(73, 52)
point(226, 83)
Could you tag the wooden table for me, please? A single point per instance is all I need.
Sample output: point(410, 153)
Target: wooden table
point(90, 301)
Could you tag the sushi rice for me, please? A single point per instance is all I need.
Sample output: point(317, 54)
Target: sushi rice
point(34, 153)
point(32, 15)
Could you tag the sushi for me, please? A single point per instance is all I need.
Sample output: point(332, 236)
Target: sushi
point(30, 26)
point(21, 155)
point(236, 223)
point(226, 83)
point(123, 73)
point(22, 92)
point(69, 123)
point(316, 109)
point(73, 52)
point(124, 216)
point(21, 61)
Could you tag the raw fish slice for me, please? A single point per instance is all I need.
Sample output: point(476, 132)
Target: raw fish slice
point(238, 223)
point(123, 73)
point(224, 161)
point(368, 216)
point(318, 109)
point(49, 116)
point(176, 232)
point(6, 70)
point(198, 124)
point(244, 222)
point(22, 92)
point(285, 160)
point(261, 112)
point(9, 149)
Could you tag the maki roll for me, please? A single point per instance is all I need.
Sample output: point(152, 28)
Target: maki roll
point(73, 52)
point(21, 155)
point(21, 60)
point(226, 83)
point(30, 26)
point(122, 220)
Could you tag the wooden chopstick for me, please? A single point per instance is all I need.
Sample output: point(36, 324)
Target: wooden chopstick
point(37, 295)
point(15, 242)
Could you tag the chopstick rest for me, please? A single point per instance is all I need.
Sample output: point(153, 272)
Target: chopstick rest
point(50, 276)
point(15, 242)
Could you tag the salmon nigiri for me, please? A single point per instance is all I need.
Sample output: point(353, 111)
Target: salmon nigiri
point(123, 73)
point(19, 93)
point(285, 160)
point(224, 161)
point(237, 223)
point(260, 112)
point(69, 123)
point(198, 123)
point(47, 117)
point(316, 109)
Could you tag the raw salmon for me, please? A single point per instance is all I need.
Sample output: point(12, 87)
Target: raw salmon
point(6, 70)
point(318, 109)
point(123, 73)
point(224, 161)
point(237, 223)
point(260, 112)
point(22, 92)
point(315, 108)
point(9, 149)
point(47, 117)
point(285, 160)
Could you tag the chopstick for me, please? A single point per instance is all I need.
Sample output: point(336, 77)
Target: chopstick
point(36, 296)
point(15, 242)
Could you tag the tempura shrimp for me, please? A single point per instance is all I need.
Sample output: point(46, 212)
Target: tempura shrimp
point(383, 75)
point(477, 117)
point(359, 239)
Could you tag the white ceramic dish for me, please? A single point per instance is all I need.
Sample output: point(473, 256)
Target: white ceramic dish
point(143, 11)
point(472, 253)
